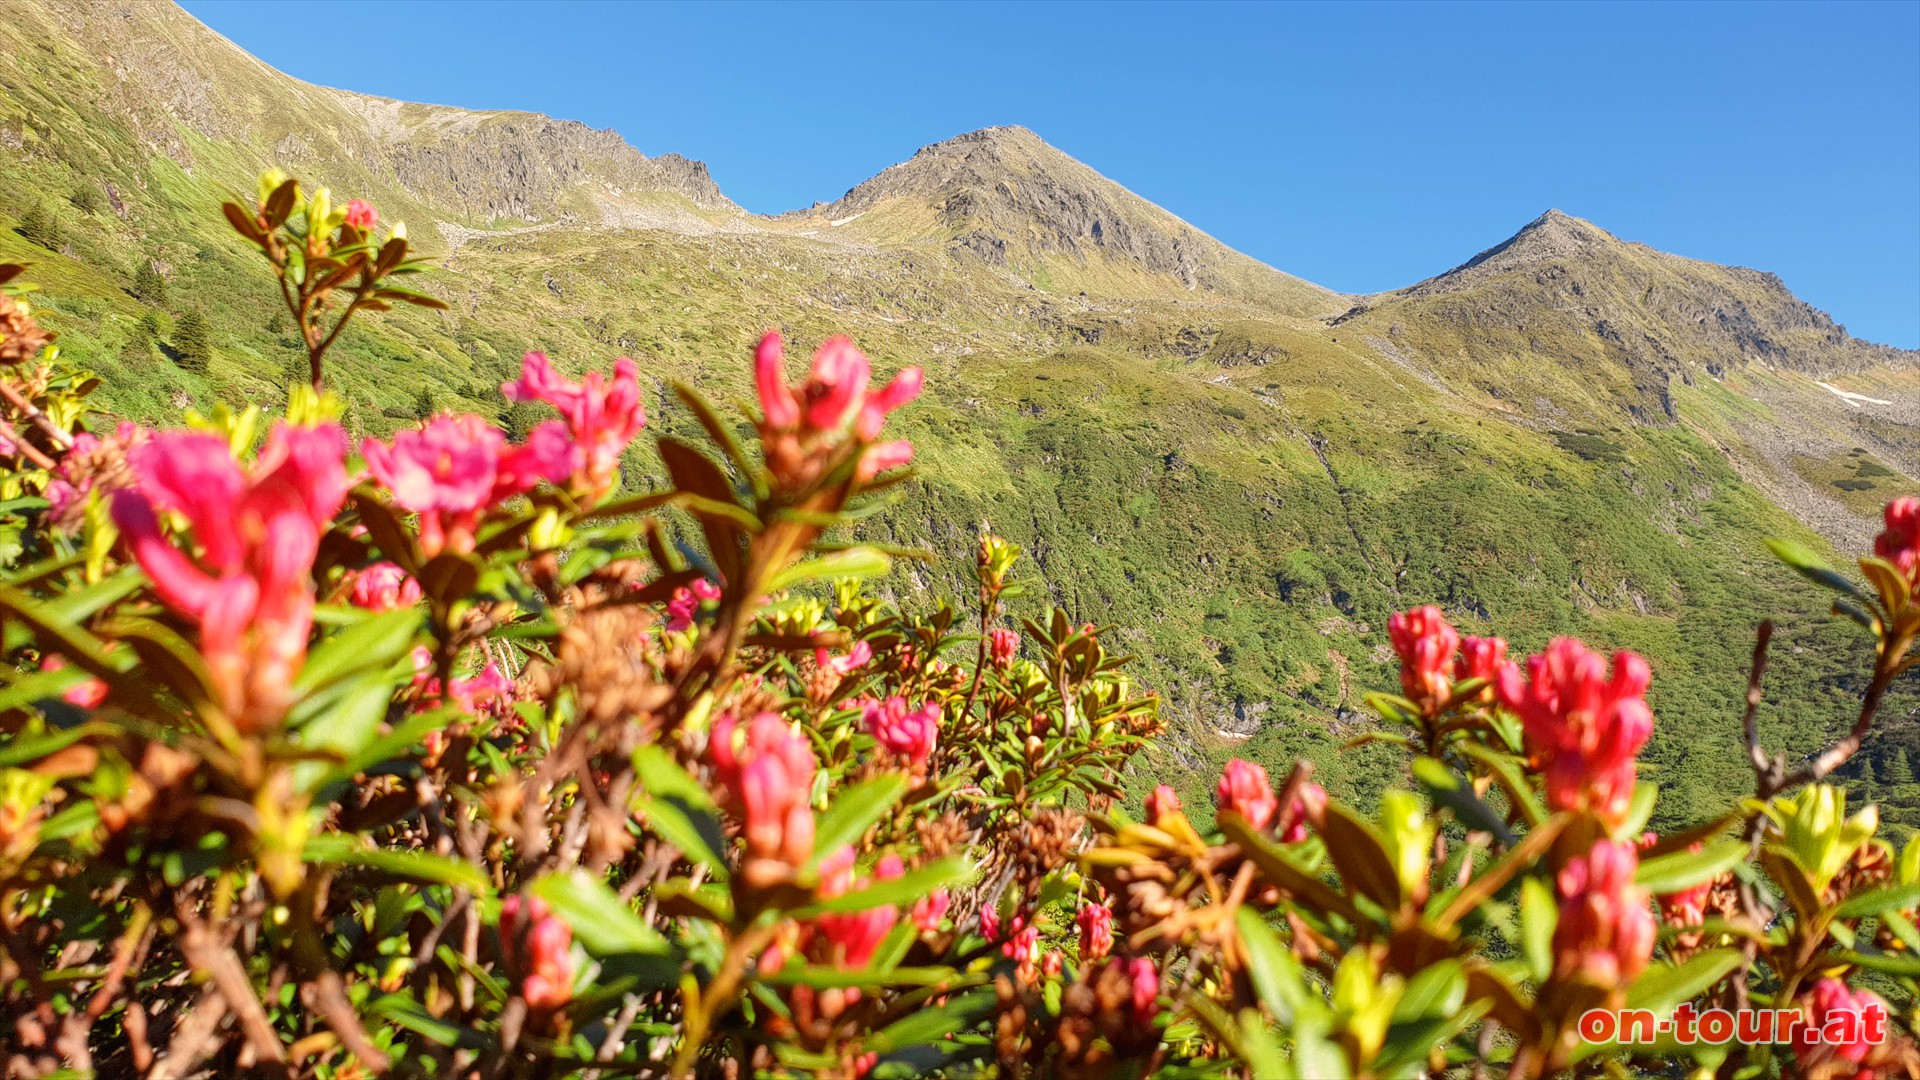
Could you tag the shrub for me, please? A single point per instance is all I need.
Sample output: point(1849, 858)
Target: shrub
point(454, 753)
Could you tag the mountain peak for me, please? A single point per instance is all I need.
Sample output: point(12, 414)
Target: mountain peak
point(1005, 197)
point(1552, 236)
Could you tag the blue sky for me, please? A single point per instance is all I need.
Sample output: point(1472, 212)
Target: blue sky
point(1361, 147)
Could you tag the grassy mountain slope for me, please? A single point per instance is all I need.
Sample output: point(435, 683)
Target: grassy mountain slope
point(1568, 435)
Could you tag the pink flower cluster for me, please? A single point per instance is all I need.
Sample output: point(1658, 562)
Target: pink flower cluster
point(843, 666)
point(1426, 644)
point(852, 936)
point(383, 586)
point(602, 416)
point(1584, 727)
point(257, 529)
point(453, 469)
point(361, 215)
point(833, 398)
point(1096, 932)
point(1605, 934)
point(768, 772)
point(538, 946)
point(1245, 790)
point(1843, 1026)
point(1002, 646)
point(1162, 804)
point(908, 732)
point(488, 692)
point(1434, 656)
point(686, 603)
point(1899, 542)
point(929, 910)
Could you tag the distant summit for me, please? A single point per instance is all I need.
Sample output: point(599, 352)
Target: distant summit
point(1004, 196)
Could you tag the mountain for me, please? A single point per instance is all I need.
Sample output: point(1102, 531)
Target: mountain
point(1004, 197)
point(1565, 326)
point(1566, 434)
point(170, 86)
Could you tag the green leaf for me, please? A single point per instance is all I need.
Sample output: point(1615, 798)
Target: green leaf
point(859, 562)
point(1877, 901)
point(1810, 566)
point(1361, 857)
point(386, 747)
point(1662, 988)
point(923, 1026)
point(823, 978)
point(1671, 873)
point(603, 922)
point(419, 866)
point(345, 720)
point(905, 889)
point(1639, 810)
point(854, 812)
point(374, 642)
point(1439, 989)
point(1276, 974)
point(1451, 790)
point(1539, 915)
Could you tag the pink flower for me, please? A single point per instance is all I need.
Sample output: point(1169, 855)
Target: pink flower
point(488, 692)
point(834, 395)
point(1605, 934)
point(1426, 644)
point(930, 909)
point(1245, 790)
point(1842, 1024)
point(844, 666)
point(686, 603)
point(989, 922)
point(86, 694)
point(548, 455)
point(384, 587)
point(1899, 543)
point(904, 388)
point(769, 778)
point(250, 588)
point(837, 385)
point(445, 472)
point(538, 946)
point(1003, 646)
point(777, 402)
point(880, 457)
point(1163, 803)
point(1023, 948)
point(1096, 932)
point(1583, 726)
point(910, 733)
point(1308, 807)
point(854, 935)
point(1146, 989)
point(361, 215)
point(602, 415)
point(1481, 658)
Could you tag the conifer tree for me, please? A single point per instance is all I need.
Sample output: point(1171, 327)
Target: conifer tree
point(192, 348)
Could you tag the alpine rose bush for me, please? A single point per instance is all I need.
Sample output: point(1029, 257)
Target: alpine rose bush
point(455, 754)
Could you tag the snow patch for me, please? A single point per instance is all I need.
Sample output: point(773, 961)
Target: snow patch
point(1854, 399)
